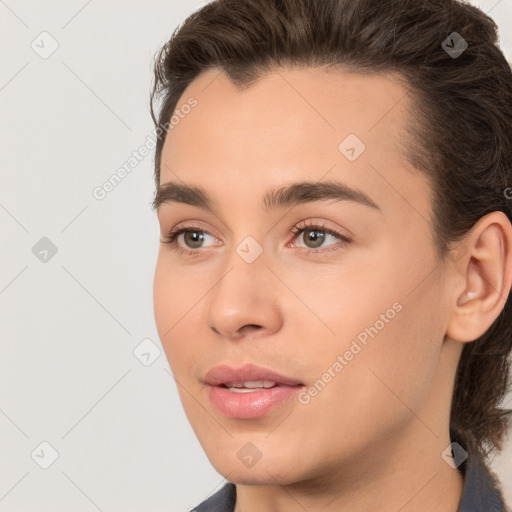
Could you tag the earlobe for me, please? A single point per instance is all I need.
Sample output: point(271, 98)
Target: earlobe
point(487, 270)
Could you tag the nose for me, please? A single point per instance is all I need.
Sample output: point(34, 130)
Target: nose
point(245, 301)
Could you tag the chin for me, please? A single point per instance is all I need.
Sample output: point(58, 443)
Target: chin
point(266, 471)
point(253, 476)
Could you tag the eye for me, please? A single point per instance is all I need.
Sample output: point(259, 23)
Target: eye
point(314, 234)
point(193, 236)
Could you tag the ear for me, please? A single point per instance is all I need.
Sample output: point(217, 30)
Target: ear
point(481, 278)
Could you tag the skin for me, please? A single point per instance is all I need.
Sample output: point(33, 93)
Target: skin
point(372, 438)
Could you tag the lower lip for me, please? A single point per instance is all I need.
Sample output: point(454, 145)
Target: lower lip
point(253, 404)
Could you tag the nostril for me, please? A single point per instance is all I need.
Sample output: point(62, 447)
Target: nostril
point(250, 327)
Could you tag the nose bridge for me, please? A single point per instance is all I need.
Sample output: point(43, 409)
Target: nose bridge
point(244, 295)
point(246, 263)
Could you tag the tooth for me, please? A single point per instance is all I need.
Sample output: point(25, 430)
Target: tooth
point(243, 390)
point(258, 384)
point(252, 385)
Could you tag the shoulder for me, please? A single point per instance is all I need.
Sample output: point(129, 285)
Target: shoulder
point(481, 490)
point(222, 501)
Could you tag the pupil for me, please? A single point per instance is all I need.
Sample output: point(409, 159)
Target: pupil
point(315, 237)
point(196, 237)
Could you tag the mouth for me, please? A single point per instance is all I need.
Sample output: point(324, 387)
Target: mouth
point(249, 374)
point(250, 391)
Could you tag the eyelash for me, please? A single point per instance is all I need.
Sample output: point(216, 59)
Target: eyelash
point(171, 241)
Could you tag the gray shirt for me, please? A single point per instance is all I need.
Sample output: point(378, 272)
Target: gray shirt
point(479, 494)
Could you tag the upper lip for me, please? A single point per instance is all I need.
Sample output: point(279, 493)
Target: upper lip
point(224, 374)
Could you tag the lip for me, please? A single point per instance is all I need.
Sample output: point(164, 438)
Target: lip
point(224, 374)
point(254, 404)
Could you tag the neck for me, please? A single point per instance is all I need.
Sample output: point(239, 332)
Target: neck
point(410, 478)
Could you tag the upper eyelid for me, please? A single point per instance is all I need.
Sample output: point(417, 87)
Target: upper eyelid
point(190, 226)
point(299, 226)
point(342, 238)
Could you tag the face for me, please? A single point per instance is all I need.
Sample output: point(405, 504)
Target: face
point(337, 290)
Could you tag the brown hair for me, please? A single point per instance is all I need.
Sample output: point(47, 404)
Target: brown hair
point(461, 133)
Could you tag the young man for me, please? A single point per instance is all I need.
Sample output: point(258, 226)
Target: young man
point(333, 284)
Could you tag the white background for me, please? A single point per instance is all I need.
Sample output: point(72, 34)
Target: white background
point(68, 375)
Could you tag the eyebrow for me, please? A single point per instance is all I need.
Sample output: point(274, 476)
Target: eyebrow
point(280, 197)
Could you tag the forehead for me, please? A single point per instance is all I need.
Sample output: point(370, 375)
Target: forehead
point(333, 99)
point(298, 108)
point(292, 124)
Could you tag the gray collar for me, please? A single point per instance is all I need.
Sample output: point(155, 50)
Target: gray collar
point(481, 489)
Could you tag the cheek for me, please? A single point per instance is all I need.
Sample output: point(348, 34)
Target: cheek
point(175, 293)
point(371, 398)
point(163, 300)
point(387, 331)
point(172, 302)
point(391, 374)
